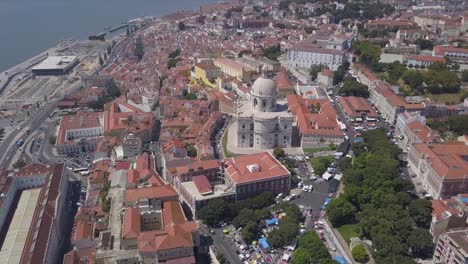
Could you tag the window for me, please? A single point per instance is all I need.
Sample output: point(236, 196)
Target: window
point(263, 103)
point(255, 102)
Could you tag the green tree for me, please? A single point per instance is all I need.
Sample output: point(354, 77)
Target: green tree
point(244, 217)
point(181, 26)
point(351, 87)
point(19, 164)
point(339, 74)
point(191, 150)
point(464, 76)
point(458, 124)
point(272, 52)
point(359, 253)
point(340, 212)
point(421, 212)
point(414, 79)
point(314, 71)
point(424, 44)
point(420, 243)
point(250, 232)
point(214, 212)
point(221, 258)
point(301, 256)
point(279, 153)
point(174, 54)
point(368, 52)
point(172, 63)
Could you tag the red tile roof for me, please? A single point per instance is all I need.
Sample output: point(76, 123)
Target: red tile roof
point(131, 223)
point(176, 231)
point(321, 121)
point(43, 221)
point(80, 120)
point(355, 106)
point(254, 167)
point(283, 82)
point(421, 131)
point(158, 192)
point(425, 58)
point(441, 206)
point(202, 184)
point(442, 50)
point(449, 161)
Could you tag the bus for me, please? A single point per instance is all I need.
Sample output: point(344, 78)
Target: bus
point(80, 169)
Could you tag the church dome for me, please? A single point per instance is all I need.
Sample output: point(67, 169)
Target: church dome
point(264, 87)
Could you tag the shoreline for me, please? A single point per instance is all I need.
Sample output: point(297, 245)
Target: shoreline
point(167, 16)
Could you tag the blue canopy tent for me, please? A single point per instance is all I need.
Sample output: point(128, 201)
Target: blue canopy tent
point(327, 201)
point(263, 241)
point(358, 140)
point(340, 259)
point(272, 221)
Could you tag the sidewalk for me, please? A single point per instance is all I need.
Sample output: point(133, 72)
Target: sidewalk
point(337, 241)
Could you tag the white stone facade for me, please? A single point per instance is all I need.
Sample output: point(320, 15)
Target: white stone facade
point(263, 123)
point(306, 58)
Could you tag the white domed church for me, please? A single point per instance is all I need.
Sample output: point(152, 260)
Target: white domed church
point(263, 122)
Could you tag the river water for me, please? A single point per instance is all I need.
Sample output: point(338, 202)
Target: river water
point(29, 27)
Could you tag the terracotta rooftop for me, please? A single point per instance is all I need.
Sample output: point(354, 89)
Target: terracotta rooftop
point(199, 165)
point(131, 223)
point(44, 218)
point(156, 192)
point(176, 231)
point(80, 120)
point(441, 50)
point(425, 58)
point(254, 167)
point(439, 207)
point(202, 184)
point(314, 116)
point(232, 64)
point(283, 82)
point(449, 161)
point(424, 133)
point(355, 106)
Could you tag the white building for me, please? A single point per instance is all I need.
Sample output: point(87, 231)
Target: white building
point(304, 55)
point(80, 132)
point(262, 122)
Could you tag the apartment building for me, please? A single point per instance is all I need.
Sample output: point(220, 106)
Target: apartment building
point(452, 248)
point(36, 232)
point(316, 122)
point(250, 175)
point(306, 54)
point(80, 132)
point(234, 69)
point(442, 168)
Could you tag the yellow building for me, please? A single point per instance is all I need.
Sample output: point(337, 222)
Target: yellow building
point(234, 69)
point(207, 73)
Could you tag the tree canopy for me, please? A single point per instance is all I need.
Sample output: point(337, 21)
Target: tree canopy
point(372, 185)
point(272, 52)
point(368, 53)
point(311, 250)
point(351, 87)
point(359, 253)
